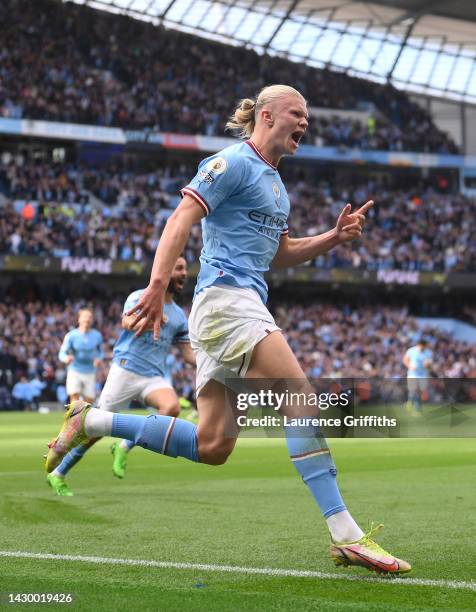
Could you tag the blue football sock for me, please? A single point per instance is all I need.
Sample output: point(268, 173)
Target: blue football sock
point(72, 458)
point(312, 459)
point(162, 434)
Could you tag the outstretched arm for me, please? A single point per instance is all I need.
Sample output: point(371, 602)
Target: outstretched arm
point(148, 310)
point(295, 251)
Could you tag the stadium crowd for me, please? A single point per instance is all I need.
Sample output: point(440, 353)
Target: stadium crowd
point(65, 210)
point(23, 178)
point(329, 340)
point(375, 133)
point(72, 63)
point(115, 213)
point(30, 338)
point(406, 230)
point(368, 341)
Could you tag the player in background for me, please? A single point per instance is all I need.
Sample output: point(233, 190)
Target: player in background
point(242, 203)
point(82, 353)
point(139, 371)
point(140, 368)
point(417, 360)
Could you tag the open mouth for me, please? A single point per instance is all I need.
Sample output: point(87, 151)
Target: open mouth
point(296, 136)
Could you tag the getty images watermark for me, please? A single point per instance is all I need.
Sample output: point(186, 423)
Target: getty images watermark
point(364, 408)
point(322, 402)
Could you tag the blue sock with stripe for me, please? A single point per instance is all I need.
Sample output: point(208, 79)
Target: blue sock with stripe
point(162, 434)
point(71, 459)
point(312, 459)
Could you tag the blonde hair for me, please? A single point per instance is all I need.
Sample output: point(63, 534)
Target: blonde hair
point(243, 120)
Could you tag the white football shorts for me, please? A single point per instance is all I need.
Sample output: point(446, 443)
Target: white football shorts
point(122, 386)
point(225, 325)
point(79, 383)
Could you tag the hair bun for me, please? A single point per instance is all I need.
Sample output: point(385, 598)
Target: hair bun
point(248, 104)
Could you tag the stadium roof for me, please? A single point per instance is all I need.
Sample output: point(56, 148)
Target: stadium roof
point(425, 46)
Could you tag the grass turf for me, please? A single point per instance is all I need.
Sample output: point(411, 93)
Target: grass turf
point(252, 512)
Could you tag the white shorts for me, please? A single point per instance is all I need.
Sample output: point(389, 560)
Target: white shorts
point(225, 325)
point(122, 386)
point(82, 384)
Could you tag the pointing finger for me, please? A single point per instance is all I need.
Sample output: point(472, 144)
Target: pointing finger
point(363, 209)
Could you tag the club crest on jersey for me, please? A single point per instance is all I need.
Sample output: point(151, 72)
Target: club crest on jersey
point(214, 168)
point(277, 193)
point(217, 166)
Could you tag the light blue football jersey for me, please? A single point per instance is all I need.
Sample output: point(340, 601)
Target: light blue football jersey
point(85, 348)
point(417, 360)
point(144, 355)
point(247, 209)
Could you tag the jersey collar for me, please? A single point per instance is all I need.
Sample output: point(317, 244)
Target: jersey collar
point(255, 149)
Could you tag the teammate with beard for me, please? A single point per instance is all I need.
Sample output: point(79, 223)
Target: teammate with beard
point(138, 372)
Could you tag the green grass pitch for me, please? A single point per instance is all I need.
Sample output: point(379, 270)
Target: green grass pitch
point(253, 512)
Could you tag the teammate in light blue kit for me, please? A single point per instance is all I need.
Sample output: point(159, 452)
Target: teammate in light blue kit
point(140, 368)
point(243, 206)
point(138, 372)
point(417, 360)
point(82, 352)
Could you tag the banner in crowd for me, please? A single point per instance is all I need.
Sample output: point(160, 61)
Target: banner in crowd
point(73, 265)
point(306, 274)
point(63, 131)
point(96, 133)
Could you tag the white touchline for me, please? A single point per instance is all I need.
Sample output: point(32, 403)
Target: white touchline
point(236, 569)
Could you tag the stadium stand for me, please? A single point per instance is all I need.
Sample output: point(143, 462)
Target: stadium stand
point(90, 73)
point(419, 229)
point(331, 341)
point(338, 341)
